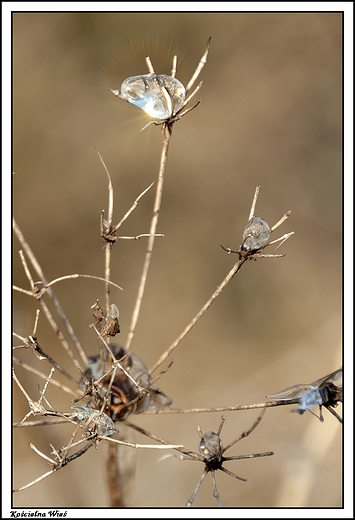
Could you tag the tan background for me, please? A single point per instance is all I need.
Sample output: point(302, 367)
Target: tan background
point(270, 115)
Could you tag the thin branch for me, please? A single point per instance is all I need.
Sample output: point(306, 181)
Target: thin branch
point(281, 221)
point(36, 407)
point(32, 343)
point(107, 227)
point(37, 294)
point(332, 411)
point(40, 374)
point(173, 70)
point(256, 195)
point(35, 481)
point(110, 191)
point(166, 446)
point(137, 237)
point(24, 291)
point(250, 456)
point(215, 491)
point(199, 67)
point(236, 408)
point(40, 273)
point(246, 433)
point(244, 256)
point(45, 422)
point(191, 96)
point(132, 208)
point(69, 276)
point(177, 447)
point(56, 468)
point(108, 232)
point(193, 496)
point(153, 228)
point(149, 65)
point(164, 371)
point(237, 266)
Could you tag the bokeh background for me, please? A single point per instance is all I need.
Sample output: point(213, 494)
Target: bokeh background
point(270, 115)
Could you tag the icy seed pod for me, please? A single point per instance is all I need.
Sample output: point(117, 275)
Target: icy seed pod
point(327, 391)
point(124, 398)
point(159, 95)
point(211, 447)
point(93, 420)
point(312, 398)
point(256, 234)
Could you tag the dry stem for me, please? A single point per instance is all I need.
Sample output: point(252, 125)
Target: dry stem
point(237, 266)
point(50, 292)
point(236, 408)
point(153, 228)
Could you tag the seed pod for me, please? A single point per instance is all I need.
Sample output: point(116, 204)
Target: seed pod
point(111, 325)
point(211, 447)
point(124, 398)
point(256, 234)
point(327, 391)
point(93, 421)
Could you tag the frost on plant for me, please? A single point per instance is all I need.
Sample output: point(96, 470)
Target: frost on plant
point(326, 391)
point(162, 97)
point(93, 421)
point(115, 383)
point(256, 236)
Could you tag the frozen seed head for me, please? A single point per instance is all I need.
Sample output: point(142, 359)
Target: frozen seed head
point(211, 447)
point(326, 391)
point(256, 234)
point(159, 95)
point(162, 97)
point(93, 420)
point(312, 398)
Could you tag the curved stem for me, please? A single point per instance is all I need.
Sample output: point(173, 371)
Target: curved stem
point(50, 292)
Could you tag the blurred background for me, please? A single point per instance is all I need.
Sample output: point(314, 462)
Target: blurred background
point(270, 115)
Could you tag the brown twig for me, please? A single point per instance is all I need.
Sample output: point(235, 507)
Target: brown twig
point(40, 273)
point(152, 232)
point(244, 256)
point(237, 266)
point(236, 408)
point(40, 374)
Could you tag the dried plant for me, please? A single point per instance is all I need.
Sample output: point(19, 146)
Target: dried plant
point(212, 455)
point(115, 383)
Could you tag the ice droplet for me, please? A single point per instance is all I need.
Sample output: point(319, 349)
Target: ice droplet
point(256, 234)
point(93, 419)
point(159, 95)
